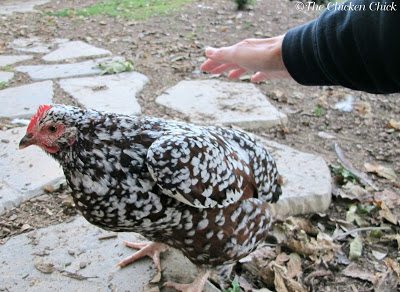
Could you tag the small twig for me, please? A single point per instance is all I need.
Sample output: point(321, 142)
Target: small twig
point(360, 229)
point(75, 276)
point(362, 177)
point(318, 273)
point(107, 236)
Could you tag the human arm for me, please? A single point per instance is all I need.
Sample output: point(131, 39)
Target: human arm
point(355, 49)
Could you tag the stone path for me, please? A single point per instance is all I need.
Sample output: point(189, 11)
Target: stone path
point(35, 45)
point(55, 71)
point(6, 76)
point(23, 101)
point(46, 259)
point(220, 102)
point(102, 92)
point(11, 6)
point(23, 173)
point(6, 60)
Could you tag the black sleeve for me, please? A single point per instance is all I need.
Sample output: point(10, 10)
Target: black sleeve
point(355, 49)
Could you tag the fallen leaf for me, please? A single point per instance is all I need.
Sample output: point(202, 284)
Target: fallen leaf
point(356, 247)
point(43, 266)
point(313, 247)
point(394, 124)
point(387, 282)
point(391, 199)
point(379, 255)
point(385, 213)
point(357, 272)
point(282, 258)
point(381, 171)
point(392, 264)
point(157, 278)
point(294, 266)
point(283, 283)
point(298, 223)
point(261, 253)
point(279, 283)
point(362, 108)
point(354, 192)
point(352, 216)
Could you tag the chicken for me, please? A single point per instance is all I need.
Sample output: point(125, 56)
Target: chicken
point(205, 191)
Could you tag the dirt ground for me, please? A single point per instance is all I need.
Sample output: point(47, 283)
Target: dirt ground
point(170, 48)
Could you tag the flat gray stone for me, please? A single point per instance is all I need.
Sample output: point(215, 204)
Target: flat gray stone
point(307, 180)
point(23, 101)
point(35, 44)
point(6, 60)
point(75, 49)
point(54, 71)
point(112, 93)
point(6, 76)
point(67, 247)
point(23, 173)
point(11, 6)
point(221, 102)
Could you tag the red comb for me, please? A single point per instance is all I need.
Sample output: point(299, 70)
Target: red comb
point(39, 114)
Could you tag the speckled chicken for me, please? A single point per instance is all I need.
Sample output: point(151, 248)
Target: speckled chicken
point(201, 190)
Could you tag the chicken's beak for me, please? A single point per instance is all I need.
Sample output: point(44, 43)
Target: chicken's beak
point(26, 141)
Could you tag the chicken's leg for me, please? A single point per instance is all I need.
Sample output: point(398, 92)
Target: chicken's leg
point(150, 249)
point(196, 286)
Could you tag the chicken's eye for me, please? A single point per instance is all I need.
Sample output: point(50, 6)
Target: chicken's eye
point(52, 129)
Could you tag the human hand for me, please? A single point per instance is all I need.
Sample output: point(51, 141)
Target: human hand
point(262, 56)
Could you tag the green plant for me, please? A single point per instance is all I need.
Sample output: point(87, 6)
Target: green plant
point(130, 9)
point(242, 4)
point(3, 85)
point(343, 175)
point(319, 111)
point(115, 67)
point(7, 68)
point(234, 288)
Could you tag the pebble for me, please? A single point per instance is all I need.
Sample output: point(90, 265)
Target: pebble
point(325, 135)
point(83, 265)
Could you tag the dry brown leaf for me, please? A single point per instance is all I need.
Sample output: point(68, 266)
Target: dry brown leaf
point(279, 283)
point(313, 247)
point(284, 283)
point(391, 199)
point(157, 278)
point(294, 266)
point(297, 223)
point(385, 213)
point(264, 253)
point(362, 108)
point(282, 258)
point(394, 124)
point(387, 282)
point(381, 171)
point(354, 192)
point(357, 272)
point(392, 264)
point(43, 266)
